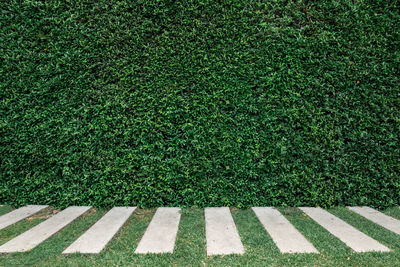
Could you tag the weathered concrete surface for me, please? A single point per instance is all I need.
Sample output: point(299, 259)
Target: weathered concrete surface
point(97, 237)
point(286, 237)
point(161, 233)
point(19, 214)
point(42, 231)
point(353, 238)
point(221, 233)
point(379, 218)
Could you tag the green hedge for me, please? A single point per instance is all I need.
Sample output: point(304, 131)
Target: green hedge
point(200, 103)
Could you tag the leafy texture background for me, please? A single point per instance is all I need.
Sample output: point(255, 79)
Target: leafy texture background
point(199, 103)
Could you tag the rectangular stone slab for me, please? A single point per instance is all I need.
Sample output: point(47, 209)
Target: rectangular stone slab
point(36, 235)
point(286, 237)
point(161, 233)
point(97, 237)
point(221, 233)
point(19, 214)
point(379, 218)
point(353, 238)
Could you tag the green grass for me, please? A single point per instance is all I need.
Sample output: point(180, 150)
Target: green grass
point(190, 248)
point(199, 103)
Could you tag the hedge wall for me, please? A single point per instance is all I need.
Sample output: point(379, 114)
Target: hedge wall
point(200, 103)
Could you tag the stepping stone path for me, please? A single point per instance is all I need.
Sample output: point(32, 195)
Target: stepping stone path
point(19, 214)
point(97, 237)
point(285, 236)
point(221, 234)
point(161, 234)
point(353, 238)
point(379, 218)
point(43, 231)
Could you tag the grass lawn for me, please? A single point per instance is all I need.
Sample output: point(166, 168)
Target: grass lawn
point(190, 248)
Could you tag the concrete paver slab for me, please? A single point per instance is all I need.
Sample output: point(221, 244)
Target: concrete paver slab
point(161, 233)
point(19, 214)
point(97, 237)
point(352, 237)
point(379, 218)
point(286, 237)
point(221, 233)
point(36, 235)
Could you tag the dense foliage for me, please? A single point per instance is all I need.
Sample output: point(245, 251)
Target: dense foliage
point(200, 103)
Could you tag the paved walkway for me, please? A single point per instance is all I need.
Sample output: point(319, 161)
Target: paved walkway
point(161, 234)
point(353, 238)
point(222, 235)
point(97, 237)
point(36, 235)
point(19, 214)
point(286, 237)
